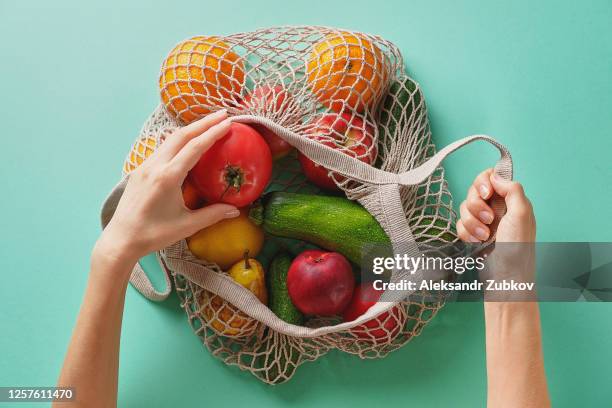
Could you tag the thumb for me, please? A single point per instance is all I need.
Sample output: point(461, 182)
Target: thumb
point(513, 194)
point(212, 214)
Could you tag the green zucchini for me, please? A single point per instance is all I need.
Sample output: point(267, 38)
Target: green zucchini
point(280, 302)
point(334, 223)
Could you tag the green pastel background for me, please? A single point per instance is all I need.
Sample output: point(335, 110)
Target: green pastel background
point(78, 78)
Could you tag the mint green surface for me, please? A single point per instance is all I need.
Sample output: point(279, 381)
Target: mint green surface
point(77, 79)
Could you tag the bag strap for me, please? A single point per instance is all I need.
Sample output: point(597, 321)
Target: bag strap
point(141, 282)
point(387, 187)
point(358, 170)
point(503, 168)
point(388, 199)
point(346, 165)
point(138, 278)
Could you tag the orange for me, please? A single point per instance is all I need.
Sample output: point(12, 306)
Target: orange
point(142, 149)
point(346, 70)
point(199, 75)
point(192, 198)
point(223, 317)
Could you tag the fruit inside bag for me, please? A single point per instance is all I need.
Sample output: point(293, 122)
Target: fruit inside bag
point(335, 110)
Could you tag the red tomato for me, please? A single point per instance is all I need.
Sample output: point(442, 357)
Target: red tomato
point(236, 169)
point(383, 327)
point(344, 132)
point(269, 99)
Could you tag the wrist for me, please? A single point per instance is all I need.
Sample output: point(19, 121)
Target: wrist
point(114, 253)
point(506, 313)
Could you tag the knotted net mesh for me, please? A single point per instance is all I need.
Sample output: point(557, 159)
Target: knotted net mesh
point(345, 90)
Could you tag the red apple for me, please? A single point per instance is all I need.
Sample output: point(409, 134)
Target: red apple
point(269, 99)
point(320, 283)
point(345, 132)
point(318, 175)
point(380, 329)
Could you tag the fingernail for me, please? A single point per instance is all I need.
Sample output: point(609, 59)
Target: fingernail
point(224, 123)
point(481, 233)
point(233, 213)
point(220, 112)
point(212, 116)
point(472, 239)
point(485, 217)
point(484, 191)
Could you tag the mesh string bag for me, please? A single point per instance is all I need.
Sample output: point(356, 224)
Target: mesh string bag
point(344, 101)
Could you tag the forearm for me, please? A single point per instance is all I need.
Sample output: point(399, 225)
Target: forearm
point(92, 360)
point(515, 363)
point(150, 215)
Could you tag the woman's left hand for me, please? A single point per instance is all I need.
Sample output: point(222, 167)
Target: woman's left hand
point(151, 213)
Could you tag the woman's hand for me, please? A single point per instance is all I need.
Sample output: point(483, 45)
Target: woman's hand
point(151, 213)
point(517, 225)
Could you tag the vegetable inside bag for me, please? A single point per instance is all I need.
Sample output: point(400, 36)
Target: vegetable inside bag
point(394, 173)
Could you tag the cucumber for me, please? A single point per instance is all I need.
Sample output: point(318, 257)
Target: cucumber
point(280, 302)
point(400, 103)
point(334, 223)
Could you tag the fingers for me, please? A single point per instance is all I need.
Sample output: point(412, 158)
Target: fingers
point(482, 184)
point(517, 203)
point(210, 215)
point(479, 207)
point(189, 155)
point(175, 142)
point(472, 224)
point(463, 234)
point(475, 213)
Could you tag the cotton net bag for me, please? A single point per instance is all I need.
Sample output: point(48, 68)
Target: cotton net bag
point(394, 173)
